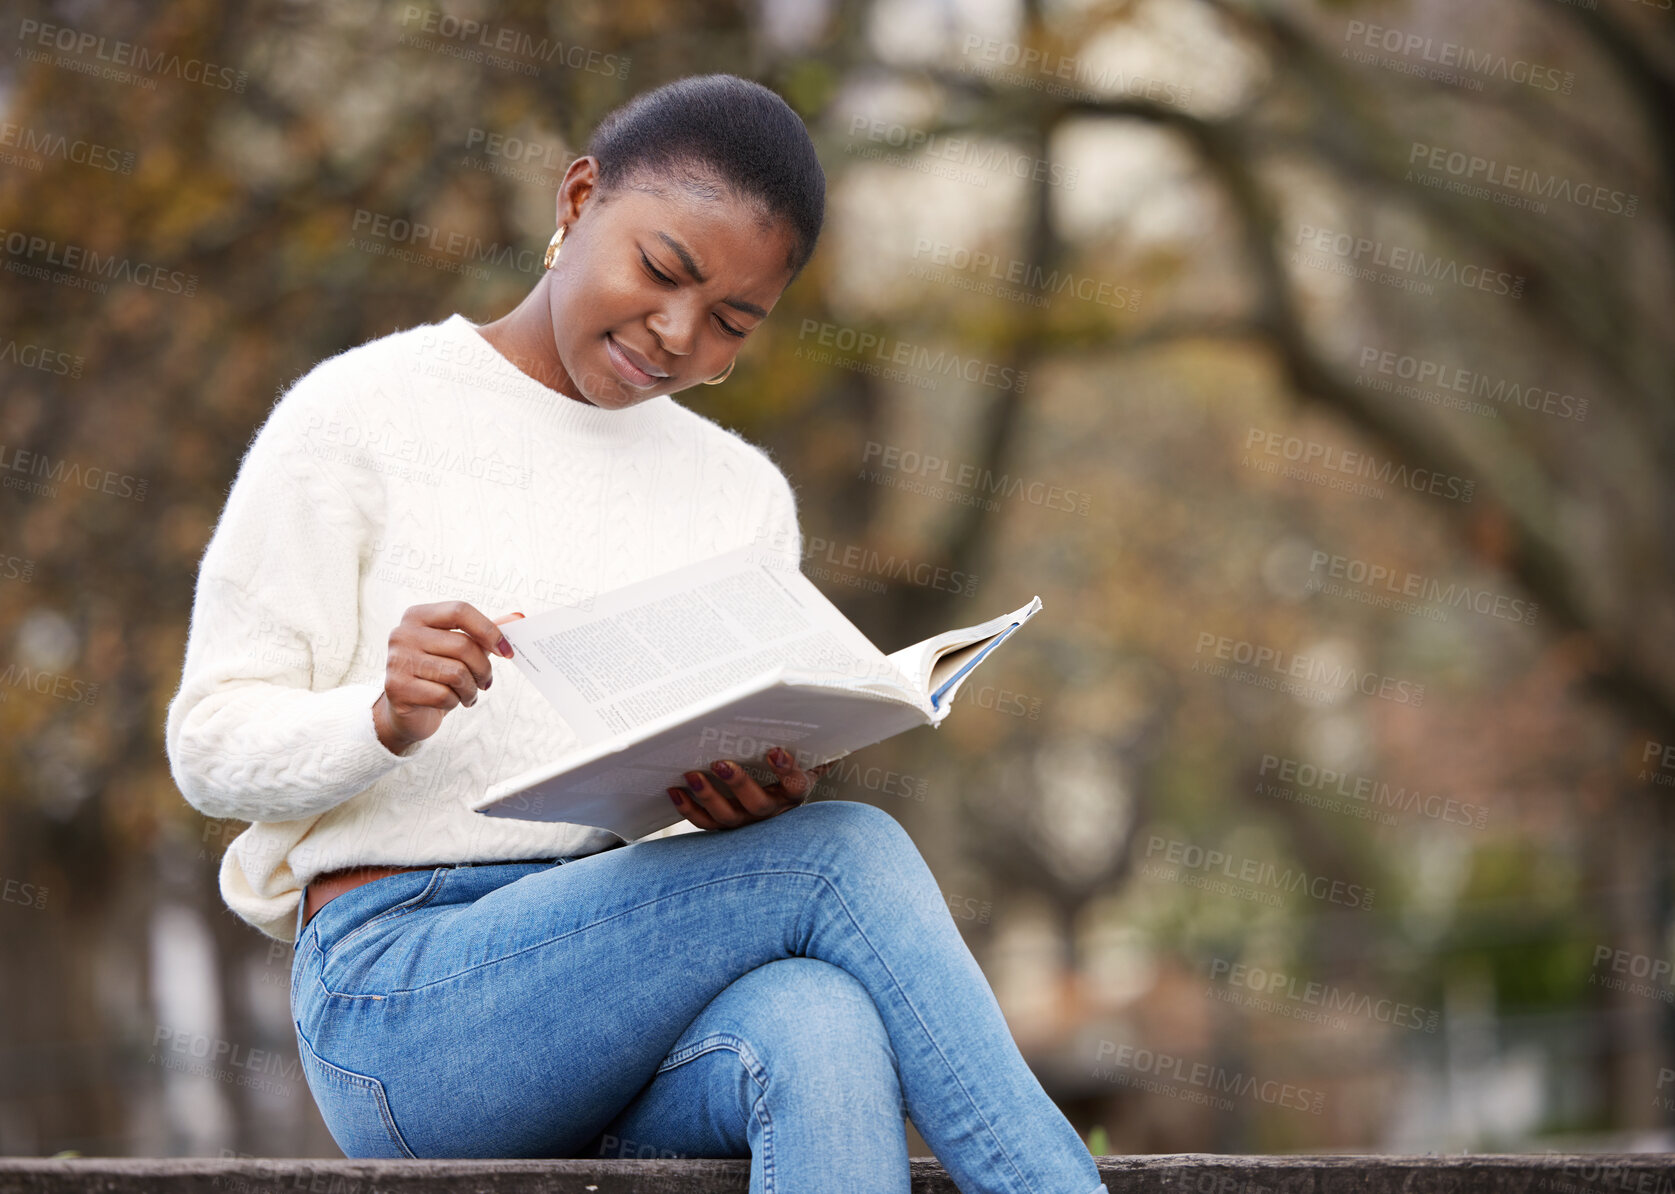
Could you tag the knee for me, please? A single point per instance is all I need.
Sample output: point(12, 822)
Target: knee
point(825, 1035)
point(864, 854)
point(865, 833)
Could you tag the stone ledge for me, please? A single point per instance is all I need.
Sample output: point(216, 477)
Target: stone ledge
point(1181, 1173)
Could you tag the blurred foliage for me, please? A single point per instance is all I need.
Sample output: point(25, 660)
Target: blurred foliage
point(1203, 140)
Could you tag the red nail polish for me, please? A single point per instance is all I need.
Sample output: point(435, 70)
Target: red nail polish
point(674, 795)
point(694, 780)
point(724, 769)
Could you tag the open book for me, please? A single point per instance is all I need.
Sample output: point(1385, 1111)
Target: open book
point(721, 659)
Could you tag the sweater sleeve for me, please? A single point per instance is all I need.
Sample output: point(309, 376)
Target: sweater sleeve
point(262, 727)
point(781, 529)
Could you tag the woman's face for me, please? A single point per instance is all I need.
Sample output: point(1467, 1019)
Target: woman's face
point(655, 290)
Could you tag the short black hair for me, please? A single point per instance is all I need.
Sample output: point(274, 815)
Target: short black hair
point(708, 128)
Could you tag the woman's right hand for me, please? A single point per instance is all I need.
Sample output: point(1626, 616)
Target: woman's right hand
point(438, 659)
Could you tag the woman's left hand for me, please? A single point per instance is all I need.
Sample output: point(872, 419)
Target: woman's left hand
point(730, 797)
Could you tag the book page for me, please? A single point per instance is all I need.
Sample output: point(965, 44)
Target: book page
point(621, 787)
point(651, 648)
point(930, 662)
point(952, 669)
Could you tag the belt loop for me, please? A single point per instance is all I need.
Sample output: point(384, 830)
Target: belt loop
point(297, 920)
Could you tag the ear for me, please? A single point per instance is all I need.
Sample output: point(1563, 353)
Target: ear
point(580, 184)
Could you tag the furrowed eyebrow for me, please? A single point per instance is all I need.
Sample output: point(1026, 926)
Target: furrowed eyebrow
point(685, 257)
point(748, 308)
point(680, 251)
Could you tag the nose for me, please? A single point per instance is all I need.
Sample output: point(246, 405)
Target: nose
point(675, 330)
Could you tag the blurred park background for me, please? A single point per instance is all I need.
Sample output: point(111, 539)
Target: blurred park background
point(1312, 361)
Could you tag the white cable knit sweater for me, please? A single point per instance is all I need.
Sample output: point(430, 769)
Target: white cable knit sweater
point(421, 467)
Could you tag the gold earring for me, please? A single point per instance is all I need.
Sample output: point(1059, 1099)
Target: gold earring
point(722, 376)
point(552, 246)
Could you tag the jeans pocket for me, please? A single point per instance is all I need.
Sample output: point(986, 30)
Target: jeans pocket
point(354, 1106)
point(423, 897)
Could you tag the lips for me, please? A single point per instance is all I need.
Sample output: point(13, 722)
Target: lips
point(633, 367)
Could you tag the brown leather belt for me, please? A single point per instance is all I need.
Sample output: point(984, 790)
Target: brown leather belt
point(322, 889)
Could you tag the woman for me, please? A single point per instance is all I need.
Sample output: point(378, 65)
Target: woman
point(785, 985)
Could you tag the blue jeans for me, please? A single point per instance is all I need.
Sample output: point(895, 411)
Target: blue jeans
point(787, 991)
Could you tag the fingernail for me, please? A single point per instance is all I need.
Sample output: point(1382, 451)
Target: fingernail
point(674, 794)
point(779, 758)
point(723, 768)
point(505, 647)
point(694, 780)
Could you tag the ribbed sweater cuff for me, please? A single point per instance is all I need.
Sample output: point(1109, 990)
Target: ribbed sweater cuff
point(352, 750)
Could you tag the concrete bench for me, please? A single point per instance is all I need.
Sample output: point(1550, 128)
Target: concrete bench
point(1184, 1173)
